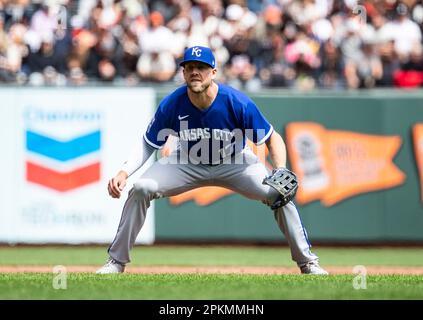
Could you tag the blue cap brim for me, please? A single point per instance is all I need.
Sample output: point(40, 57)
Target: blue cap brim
point(195, 60)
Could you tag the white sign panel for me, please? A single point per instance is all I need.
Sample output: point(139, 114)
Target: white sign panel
point(67, 144)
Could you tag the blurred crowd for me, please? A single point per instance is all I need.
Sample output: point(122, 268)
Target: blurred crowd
point(301, 44)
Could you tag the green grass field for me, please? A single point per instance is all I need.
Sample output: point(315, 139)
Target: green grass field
point(209, 286)
point(191, 287)
point(210, 255)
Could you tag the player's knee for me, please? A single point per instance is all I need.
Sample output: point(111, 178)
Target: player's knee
point(145, 187)
point(274, 201)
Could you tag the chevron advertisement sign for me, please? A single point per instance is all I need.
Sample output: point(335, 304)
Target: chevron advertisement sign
point(60, 148)
point(62, 159)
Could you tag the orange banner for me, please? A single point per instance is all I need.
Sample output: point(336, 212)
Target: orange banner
point(334, 165)
point(418, 151)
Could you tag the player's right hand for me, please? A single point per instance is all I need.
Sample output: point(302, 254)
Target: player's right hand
point(117, 184)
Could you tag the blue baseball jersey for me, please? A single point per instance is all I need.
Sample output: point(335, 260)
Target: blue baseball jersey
point(213, 134)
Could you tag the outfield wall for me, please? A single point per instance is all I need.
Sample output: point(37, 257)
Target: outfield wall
point(387, 208)
point(358, 156)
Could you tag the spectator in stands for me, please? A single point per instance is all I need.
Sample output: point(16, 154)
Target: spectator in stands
point(46, 56)
point(44, 20)
point(81, 56)
point(3, 36)
point(277, 73)
point(241, 73)
point(390, 63)
point(76, 75)
point(156, 66)
point(302, 56)
point(331, 71)
point(5, 74)
point(129, 58)
point(12, 61)
point(410, 74)
point(365, 69)
point(169, 9)
point(156, 62)
point(415, 60)
point(405, 32)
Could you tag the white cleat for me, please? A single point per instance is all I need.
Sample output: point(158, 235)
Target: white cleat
point(111, 266)
point(313, 267)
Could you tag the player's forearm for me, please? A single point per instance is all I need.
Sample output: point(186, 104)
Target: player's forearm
point(277, 150)
point(140, 153)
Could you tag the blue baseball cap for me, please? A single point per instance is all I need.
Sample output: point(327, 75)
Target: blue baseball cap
point(201, 54)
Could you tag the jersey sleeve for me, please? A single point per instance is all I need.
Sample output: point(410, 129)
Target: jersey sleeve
point(158, 130)
point(257, 128)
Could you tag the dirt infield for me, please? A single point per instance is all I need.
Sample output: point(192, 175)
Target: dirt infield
point(371, 270)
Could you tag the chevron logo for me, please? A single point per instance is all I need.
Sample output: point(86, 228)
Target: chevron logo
point(62, 165)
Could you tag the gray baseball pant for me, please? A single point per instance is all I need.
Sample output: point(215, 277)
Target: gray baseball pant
point(165, 180)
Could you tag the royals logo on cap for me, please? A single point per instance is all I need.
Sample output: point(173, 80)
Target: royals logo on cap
point(196, 51)
point(201, 54)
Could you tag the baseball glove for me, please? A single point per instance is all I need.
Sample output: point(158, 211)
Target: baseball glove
point(285, 182)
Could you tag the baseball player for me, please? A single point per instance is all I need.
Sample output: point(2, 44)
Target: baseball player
point(212, 122)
